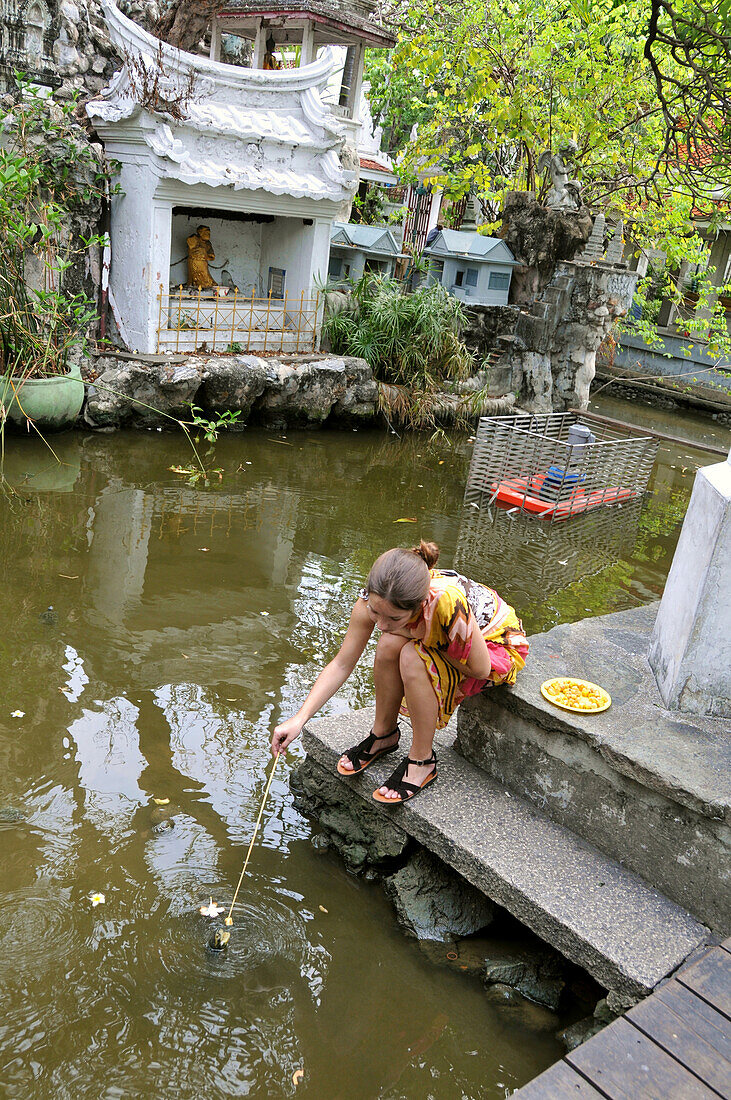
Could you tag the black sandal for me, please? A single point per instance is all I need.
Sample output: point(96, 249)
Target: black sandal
point(405, 790)
point(363, 752)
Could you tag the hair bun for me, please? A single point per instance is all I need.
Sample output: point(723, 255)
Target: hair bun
point(429, 551)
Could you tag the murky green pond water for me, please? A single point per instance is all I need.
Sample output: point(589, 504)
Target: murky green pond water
point(185, 622)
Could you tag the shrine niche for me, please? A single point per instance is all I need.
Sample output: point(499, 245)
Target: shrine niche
point(257, 160)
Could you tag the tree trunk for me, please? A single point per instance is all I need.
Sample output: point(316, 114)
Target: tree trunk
point(185, 22)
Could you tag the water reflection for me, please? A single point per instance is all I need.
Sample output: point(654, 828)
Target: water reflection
point(187, 620)
point(551, 556)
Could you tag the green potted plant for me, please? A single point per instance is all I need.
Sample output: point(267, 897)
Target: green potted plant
point(50, 183)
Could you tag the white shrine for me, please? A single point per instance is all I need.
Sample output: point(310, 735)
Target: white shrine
point(255, 156)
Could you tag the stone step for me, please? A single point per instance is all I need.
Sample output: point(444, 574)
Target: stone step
point(590, 908)
point(645, 785)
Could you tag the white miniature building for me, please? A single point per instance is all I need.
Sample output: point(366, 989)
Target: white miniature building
point(253, 155)
point(473, 268)
point(355, 249)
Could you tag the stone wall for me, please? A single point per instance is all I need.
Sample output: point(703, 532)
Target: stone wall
point(553, 353)
point(542, 347)
point(298, 390)
point(67, 46)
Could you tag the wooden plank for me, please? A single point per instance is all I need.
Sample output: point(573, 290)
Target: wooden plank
point(558, 1083)
point(624, 1064)
point(635, 429)
point(712, 1027)
point(710, 978)
point(676, 1035)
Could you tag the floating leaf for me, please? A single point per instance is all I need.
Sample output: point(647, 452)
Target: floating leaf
point(410, 520)
point(161, 801)
point(322, 908)
point(297, 1076)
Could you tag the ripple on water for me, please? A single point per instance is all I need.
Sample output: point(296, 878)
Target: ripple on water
point(38, 920)
point(267, 928)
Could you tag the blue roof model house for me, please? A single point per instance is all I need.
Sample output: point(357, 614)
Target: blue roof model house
point(476, 269)
point(358, 248)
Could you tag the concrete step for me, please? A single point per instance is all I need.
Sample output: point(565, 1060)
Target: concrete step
point(646, 786)
point(590, 908)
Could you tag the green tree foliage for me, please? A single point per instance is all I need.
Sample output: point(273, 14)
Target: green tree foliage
point(494, 86)
point(48, 173)
point(688, 49)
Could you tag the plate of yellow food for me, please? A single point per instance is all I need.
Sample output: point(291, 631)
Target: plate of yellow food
point(581, 696)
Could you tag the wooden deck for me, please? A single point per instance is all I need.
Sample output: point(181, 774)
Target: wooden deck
point(675, 1045)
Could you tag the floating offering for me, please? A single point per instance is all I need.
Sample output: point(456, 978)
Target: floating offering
point(580, 696)
point(97, 899)
point(211, 910)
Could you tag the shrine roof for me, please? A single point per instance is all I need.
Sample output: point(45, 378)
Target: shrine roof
point(242, 128)
point(355, 17)
point(474, 246)
point(367, 238)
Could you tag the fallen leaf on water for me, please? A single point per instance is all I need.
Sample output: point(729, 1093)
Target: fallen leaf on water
point(211, 910)
point(66, 576)
point(322, 908)
point(18, 714)
point(161, 801)
point(410, 520)
point(184, 655)
point(280, 441)
point(441, 461)
point(97, 899)
point(297, 1076)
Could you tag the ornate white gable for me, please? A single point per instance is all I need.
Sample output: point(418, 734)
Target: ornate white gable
point(223, 125)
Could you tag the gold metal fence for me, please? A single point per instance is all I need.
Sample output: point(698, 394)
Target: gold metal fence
point(200, 321)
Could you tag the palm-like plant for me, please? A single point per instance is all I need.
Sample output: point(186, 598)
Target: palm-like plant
point(410, 340)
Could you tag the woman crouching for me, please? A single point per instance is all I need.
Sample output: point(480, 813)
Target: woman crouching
point(442, 638)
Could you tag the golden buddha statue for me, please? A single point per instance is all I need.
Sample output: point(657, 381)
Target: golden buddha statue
point(270, 61)
point(200, 251)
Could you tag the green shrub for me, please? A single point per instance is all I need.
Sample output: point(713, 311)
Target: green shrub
point(408, 339)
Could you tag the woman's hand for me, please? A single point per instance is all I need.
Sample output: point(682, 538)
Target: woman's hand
point(332, 677)
point(285, 733)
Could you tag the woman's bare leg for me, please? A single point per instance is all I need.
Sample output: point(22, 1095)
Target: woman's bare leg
point(423, 710)
point(389, 690)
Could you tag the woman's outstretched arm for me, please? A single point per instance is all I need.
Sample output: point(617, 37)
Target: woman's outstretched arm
point(330, 680)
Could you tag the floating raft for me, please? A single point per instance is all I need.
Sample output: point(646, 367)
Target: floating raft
point(552, 466)
point(534, 495)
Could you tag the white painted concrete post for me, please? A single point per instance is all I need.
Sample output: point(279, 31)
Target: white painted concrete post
point(308, 43)
point(259, 45)
point(215, 51)
point(690, 650)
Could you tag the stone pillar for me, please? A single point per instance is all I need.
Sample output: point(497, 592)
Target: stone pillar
point(690, 651)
